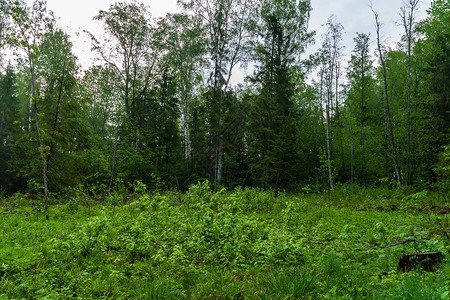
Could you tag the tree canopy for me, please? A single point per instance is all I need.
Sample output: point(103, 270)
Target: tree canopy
point(161, 107)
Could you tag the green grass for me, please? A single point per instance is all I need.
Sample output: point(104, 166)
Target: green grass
point(245, 244)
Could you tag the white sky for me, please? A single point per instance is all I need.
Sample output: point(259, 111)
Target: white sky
point(76, 16)
point(355, 16)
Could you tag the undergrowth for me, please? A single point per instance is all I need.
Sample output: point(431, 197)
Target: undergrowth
point(241, 244)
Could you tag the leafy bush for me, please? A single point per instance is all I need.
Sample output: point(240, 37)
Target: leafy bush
point(245, 243)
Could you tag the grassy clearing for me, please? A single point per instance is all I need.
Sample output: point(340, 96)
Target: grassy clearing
point(245, 244)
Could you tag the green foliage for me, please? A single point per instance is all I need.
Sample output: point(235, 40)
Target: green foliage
point(164, 289)
point(414, 287)
point(148, 121)
point(274, 151)
point(240, 244)
point(443, 170)
point(293, 285)
point(9, 113)
point(63, 122)
point(162, 108)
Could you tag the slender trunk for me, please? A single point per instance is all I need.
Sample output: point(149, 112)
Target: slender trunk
point(218, 86)
point(390, 128)
point(219, 162)
point(220, 145)
point(186, 131)
point(418, 66)
point(116, 142)
point(352, 167)
point(41, 143)
point(127, 89)
point(386, 98)
point(386, 150)
point(220, 141)
point(329, 91)
point(408, 126)
point(407, 23)
point(330, 170)
point(55, 122)
point(338, 117)
point(329, 83)
point(362, 114)
point(30, 110)
point(44, 165)
point(127, 107)
point(321, 96)
point(187, 140)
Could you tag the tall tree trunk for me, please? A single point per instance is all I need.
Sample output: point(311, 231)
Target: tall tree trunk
point(41, 143)
point(321, 95)
point(352, 167)
point(127, 96)
point(417, 79)
point(408, 127)
point(338, 114)
point(408, 19)
point(330, 170)
point(363, 86)
point(220, 145)
point(55, 121)
point(386, 150)
point(329, 91)
point(219, 162)
point(113, 166)
point(185, 109)
point(186, 132)
point(30, 110)
point(386, 98)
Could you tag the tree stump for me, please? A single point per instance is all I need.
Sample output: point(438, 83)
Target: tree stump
point(428, 261)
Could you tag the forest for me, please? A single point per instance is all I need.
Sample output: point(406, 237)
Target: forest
point(160, 107)
point(153, 174)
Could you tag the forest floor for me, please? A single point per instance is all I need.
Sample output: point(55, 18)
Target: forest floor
point(241, 244)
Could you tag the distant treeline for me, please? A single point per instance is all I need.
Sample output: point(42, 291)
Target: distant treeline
point(161, 108)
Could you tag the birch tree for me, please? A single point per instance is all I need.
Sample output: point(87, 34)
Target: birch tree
point(386, 99)
point(330, 55)
point(29, 26)
point(125, 48)
point(182, 37)
point(407, 16)
point(227, 34)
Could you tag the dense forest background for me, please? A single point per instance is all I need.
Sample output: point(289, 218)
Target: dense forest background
point(160, 107)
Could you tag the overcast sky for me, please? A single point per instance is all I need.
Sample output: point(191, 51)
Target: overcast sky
point(355, 16)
